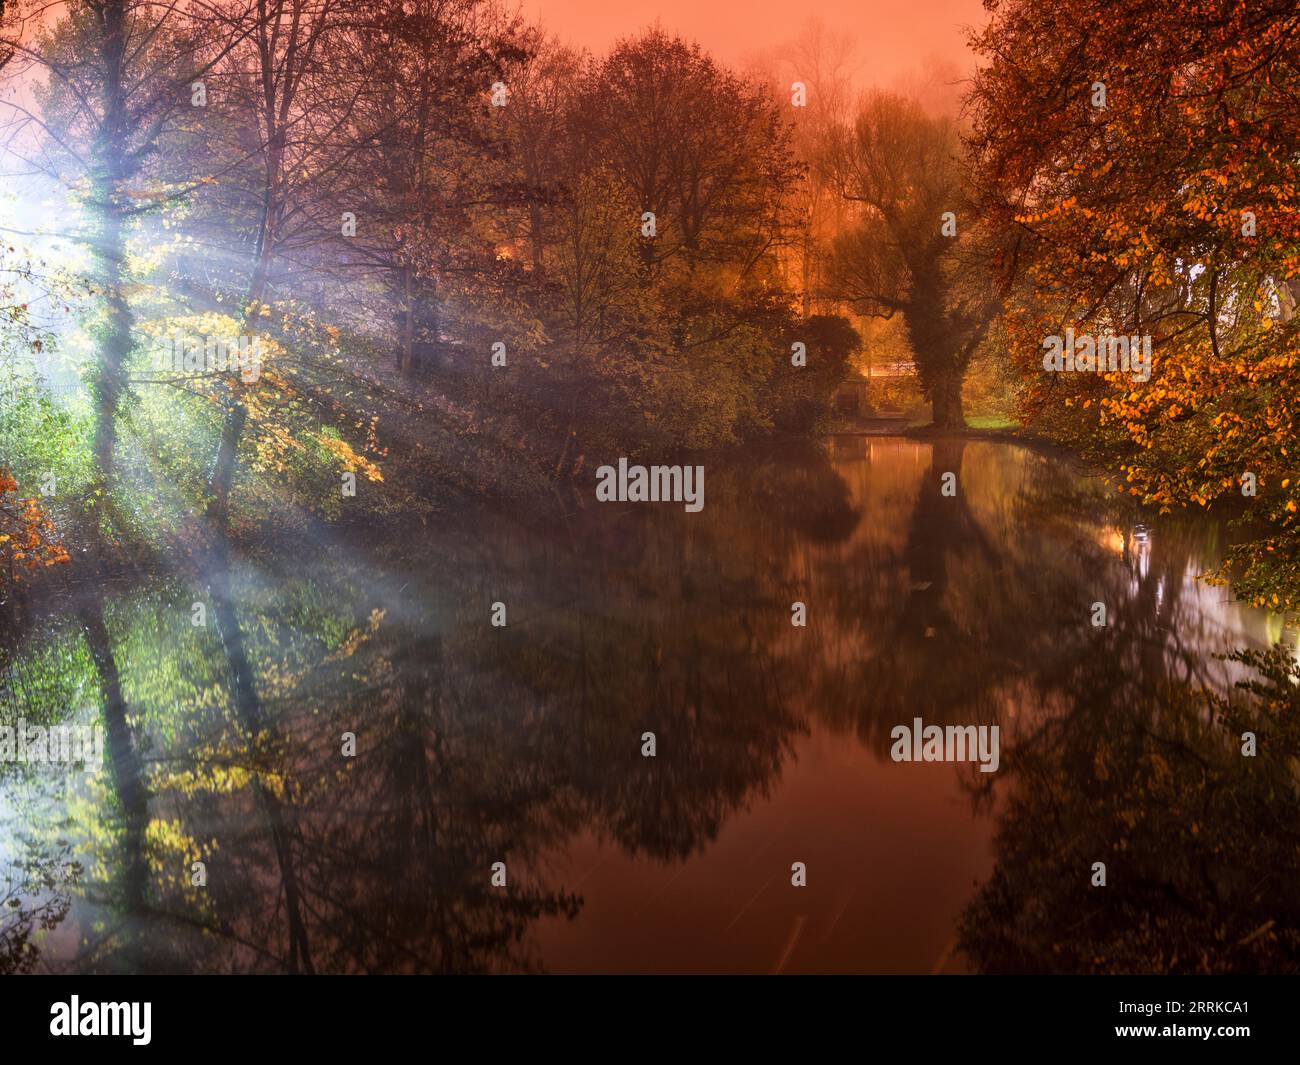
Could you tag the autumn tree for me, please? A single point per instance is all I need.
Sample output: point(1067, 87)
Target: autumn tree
point(1141, 161)
point(116, 75)
point(704, 150)
point(280, 84)
point(912, 248)
point(677, 177)
point(430, 175)
point(541, 101)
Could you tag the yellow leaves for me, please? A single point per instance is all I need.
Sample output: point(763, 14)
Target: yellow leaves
point(1051, 212)
point(218, 777)
point(169, 836)
point(349, 458)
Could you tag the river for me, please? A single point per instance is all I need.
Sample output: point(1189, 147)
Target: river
point(349, 746)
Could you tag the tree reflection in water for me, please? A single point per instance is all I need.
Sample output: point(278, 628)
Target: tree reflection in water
point(477, 745)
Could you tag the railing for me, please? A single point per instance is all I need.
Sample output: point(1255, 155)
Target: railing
point(891, 369)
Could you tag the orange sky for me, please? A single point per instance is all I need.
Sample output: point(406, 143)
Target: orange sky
point(893, 37)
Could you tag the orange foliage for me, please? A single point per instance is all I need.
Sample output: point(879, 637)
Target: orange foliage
point(28, 539)
point(1171, 210)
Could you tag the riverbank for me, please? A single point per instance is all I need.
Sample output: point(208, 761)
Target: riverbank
point(1008, 433)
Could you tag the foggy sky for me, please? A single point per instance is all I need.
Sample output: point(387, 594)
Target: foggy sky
point(894, 38)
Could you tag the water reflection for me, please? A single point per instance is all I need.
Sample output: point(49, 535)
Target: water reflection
point(522, 744)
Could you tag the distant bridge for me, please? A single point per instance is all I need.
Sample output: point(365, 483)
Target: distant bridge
point(891, 369)
point(853, 397)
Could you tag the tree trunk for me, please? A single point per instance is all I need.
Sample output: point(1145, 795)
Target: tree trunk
point(248, 704)
point(127, 776)
point(115, 339)
point(806, 268)
point(223, 468)
point(537, 238)
point(946, 403)
point(406, 355)
point(236, 414)
point(108, 250)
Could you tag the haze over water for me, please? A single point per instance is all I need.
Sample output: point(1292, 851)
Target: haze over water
point(523, 744)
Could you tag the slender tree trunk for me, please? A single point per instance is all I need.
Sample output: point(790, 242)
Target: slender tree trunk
point(406, 355)
point(248, 704)
point(538, 239)
point(128, 782)
point(109, 251)
point(235, 417)
point(223, 467)
point(807, 269)
point(115, 336)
